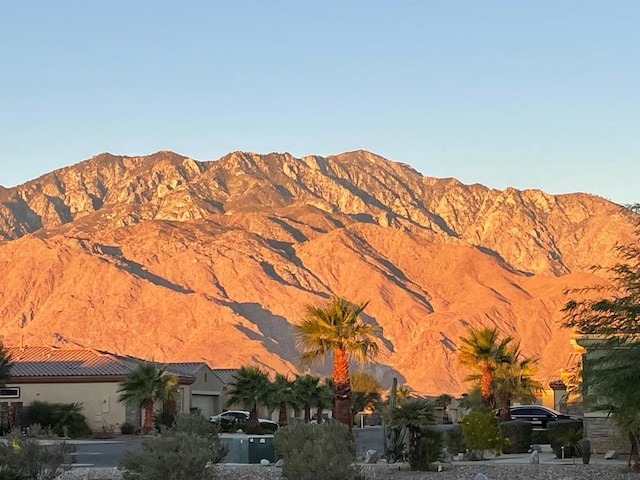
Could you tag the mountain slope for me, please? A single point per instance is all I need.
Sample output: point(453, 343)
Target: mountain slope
point(167, 257)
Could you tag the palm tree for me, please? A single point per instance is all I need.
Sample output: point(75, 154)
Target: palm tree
point(482, 351)
point(513, 380)
point(336, 329)
point(146, 385)
point(306, 388)
point(324, 398)
point(250, 387)
point(443, 401)
point(413, 413)
point(5, 365)
point(284, 396)
point(365, 391)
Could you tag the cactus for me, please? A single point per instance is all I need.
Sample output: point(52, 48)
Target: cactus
point(394, 437)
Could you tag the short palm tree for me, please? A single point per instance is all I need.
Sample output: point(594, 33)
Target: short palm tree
point(413, 413)
point(337, 329)
point(283, 396)
point(513, 380)
point(483, 351)
point(306, 388)
point(250, 387)
point(145, 385)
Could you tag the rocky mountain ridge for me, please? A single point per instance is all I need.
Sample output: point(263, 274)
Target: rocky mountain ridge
point(167, 257)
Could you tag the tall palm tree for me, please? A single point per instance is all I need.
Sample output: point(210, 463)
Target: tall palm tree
point(5, 365)
point(483, 351)
point(250, 387)
point(324, 398)
point(513, 380)
point(145, 385)
point(336, 329)
point(413, 413)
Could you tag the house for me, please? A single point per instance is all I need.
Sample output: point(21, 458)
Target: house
point(92, 377)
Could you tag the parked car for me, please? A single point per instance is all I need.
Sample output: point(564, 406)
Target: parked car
point(241, 416)
point(538, 415)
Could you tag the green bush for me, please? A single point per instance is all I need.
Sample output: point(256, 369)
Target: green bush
point(188, 450)
point(567, 434)
point(481, 432)
point(23, 458)
point(127, 428)
point(519, 435)
point(313, 451)
point(431, 448)
point(539, 437)
point(455, 440)
point(61, 418)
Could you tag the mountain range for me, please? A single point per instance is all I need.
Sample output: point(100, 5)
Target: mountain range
point(173, 259)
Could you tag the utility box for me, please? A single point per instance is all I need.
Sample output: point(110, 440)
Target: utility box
point(248, 448)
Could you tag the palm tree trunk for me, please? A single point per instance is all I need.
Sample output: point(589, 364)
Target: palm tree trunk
point(319, 417)
point(283, 419)
point(253, 417)
point(147, 425)
point(342, 387)
point(505, 406)
point(414, 446)
point(307, 413)
point(485, 386)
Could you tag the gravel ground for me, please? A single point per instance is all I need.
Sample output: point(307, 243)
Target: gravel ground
point(381, 471)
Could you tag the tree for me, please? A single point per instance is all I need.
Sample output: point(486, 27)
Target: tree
point(443, 401)
point(145, 385)
point(284, 396)
point(610, 312)
point(250, 387)
point(336, 329)
point(306, 388)
point(412, 414)
point(5, 365)
point(513, 381)
point(483, 351)
point(365, 391)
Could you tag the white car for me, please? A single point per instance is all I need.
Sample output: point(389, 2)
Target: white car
point(241, 416)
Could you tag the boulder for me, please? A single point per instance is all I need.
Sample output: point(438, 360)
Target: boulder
point(371, 456)
point(611, 455)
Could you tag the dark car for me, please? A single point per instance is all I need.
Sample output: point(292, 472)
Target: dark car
point(537, 415)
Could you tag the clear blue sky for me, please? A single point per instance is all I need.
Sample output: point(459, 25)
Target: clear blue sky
point(529, 94)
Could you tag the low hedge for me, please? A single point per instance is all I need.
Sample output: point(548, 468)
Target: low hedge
point(519, 435)
point(567, 434)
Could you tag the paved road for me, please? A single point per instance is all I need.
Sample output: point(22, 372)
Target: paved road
point(99, 453)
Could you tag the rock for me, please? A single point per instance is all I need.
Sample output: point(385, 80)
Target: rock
point(535, 448)
point(264, 462)
point(371, 456)
point(611, 455)
point(535, 457)
point(279, 463)
point(480, 476)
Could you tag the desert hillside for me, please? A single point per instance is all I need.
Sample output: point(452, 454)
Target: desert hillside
point(174, 259)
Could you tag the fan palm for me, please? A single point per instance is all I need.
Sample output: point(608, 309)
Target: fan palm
point(483, 351)
point(513, 380)
point(336, 329)
point(250, 387)
point(413, 413)
point(145, 385)
point(306, 388)
point(283, 396)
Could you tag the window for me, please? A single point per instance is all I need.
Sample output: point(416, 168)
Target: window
point(10, 392)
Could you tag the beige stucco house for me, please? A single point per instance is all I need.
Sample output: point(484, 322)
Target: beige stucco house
point(92, 377)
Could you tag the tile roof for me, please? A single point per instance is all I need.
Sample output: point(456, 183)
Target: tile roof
point(64, 362)
point(82, 362)
point(226, 374)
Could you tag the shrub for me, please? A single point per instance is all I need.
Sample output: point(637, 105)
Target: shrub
point(61, 418)
point(188, 450)
point(312, 451)
point(455, 440)
point(127, 428)
point(519, 435)
point(539, 437)
point(431, 448)
point(22, 457)
point(567, 434)
point(481, 432)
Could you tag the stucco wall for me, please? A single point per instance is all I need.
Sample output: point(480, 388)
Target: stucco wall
point(99, 400)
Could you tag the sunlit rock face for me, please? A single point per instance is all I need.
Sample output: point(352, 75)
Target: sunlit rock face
point(174, 259)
